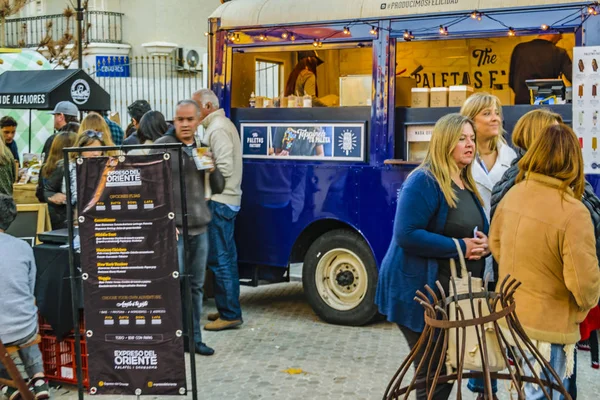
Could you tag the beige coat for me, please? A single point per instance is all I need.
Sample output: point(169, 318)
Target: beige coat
point(546, 241)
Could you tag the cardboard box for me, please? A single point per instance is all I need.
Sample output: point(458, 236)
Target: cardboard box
point(438, 97)
point(404, 85)
point(458, 94)
point(419, 97)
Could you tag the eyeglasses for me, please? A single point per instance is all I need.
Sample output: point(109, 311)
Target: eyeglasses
point(93, 134)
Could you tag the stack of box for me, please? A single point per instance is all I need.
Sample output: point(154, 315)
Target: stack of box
point(458, 94)
point(419, 97)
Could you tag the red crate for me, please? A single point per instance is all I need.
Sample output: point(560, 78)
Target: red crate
point(60, 362)
point(45, 327)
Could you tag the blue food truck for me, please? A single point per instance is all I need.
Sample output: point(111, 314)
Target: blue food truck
point(322, 167)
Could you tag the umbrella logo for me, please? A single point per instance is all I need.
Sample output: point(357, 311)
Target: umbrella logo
point(80, 91)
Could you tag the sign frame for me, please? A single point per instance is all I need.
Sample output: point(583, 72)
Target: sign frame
point(361, 126)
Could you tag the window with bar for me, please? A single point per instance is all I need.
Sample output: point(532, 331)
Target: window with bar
point(267, 81)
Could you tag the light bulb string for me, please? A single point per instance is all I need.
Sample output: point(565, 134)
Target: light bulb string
point(374, 25)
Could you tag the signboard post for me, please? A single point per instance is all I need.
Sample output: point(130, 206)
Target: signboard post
point(586, 104)
point(132, 302)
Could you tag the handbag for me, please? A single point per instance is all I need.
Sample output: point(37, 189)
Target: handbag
point(473, 357)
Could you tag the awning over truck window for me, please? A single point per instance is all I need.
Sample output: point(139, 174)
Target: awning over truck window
point(248, 13)
point(41, 90)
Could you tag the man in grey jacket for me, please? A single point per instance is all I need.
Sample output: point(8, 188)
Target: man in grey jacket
point(187, 119)
point(18, 314)
point(223, 139)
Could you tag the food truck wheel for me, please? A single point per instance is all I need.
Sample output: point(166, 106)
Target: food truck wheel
point(339, 278)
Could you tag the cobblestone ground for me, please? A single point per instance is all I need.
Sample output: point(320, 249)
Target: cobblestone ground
point(281, 333)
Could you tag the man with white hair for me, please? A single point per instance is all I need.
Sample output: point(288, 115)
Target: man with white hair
point(223, 139)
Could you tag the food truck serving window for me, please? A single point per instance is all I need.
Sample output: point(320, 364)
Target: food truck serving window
point(302, 76)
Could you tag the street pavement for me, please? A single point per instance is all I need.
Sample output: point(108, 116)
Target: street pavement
point(283, 351)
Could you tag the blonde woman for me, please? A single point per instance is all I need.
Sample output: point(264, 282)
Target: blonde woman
point(438, 202)
point(95, 122)
point(7, 169)
point(543, 237)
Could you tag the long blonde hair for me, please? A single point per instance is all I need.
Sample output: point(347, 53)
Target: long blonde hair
point(556, 153)
point(530, 125)
point(439, 161)
point(95, 122)
point(478, 102)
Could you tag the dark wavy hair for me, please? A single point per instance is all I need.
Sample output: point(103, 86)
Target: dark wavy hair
point(8, 211)
point(152, 126)
point(309, 63)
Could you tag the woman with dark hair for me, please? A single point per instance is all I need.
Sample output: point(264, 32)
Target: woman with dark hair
point(51, 178)
point(152, 127)
point(303, 79)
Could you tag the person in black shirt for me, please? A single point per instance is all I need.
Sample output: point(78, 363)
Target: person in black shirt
point(537, 59)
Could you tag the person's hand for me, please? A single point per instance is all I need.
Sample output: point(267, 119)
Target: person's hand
point(476, 248)
point(214, 162)
point(176, 233)
point(483, 237)
point(58, 198)
point(283, 153)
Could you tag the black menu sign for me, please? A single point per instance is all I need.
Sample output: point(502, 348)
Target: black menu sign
point(130, 275)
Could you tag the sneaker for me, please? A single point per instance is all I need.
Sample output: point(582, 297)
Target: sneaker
point(213, 316)
point(583, 346)
point(204, 350)
point(595, 365)
point(221, 324)
point(40, 388)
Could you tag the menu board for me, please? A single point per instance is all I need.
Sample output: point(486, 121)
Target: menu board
point(586, 104)
point(132, 303)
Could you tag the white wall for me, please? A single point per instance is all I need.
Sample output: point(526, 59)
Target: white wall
point(176, 21)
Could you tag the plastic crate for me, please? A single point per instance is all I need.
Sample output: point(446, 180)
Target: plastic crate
point(60, 362)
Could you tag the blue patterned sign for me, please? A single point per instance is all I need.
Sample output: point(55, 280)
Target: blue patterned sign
point(326, 141)
point(113, 66)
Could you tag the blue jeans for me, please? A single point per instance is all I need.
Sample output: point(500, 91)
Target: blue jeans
point(222, 261)
point(477, 385)
point(31, 357)
point(558, 361)
point(196, 257)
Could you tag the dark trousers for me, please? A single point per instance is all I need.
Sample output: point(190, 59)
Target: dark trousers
point(442, 390)
point(594, 345)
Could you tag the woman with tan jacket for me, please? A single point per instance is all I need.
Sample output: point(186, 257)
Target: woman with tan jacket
point(542, 235)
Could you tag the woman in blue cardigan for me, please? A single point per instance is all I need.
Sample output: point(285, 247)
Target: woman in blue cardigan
point(438, 202)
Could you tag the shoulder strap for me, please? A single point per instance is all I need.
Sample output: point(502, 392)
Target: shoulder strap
point(461, 258)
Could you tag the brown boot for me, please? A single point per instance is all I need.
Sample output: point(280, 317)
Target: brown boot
point(213, 316)
point(221, 324)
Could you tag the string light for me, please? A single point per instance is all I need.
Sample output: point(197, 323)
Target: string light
point(408, 35)
point(544, 27)
point(206, 33)
point(319, 44)
point(476, 15)
point(284, 35)
point(292, 37)
point(591, 10)
point(262, 37)
point(316, 43)
point(511, 31)
point(374, 31)
point(443, 30)
point(237, 37)
point(346, 30)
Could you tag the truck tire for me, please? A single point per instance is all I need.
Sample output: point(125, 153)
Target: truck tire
point(340, 277)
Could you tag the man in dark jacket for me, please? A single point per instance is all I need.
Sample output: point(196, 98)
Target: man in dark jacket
point(537, 59)
point(136, 110)
point(187, 119)
point(64, 112)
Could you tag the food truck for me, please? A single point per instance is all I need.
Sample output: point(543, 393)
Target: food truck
point(322, 168)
